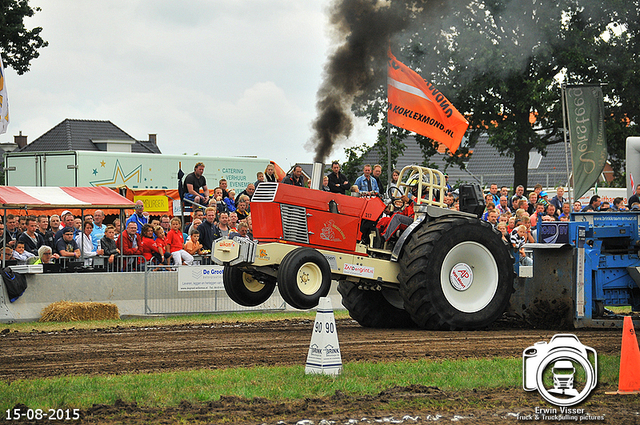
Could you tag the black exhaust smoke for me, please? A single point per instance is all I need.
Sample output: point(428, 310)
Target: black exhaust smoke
point(364, 27)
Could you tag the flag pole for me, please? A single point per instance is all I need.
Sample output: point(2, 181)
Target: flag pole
point(386, 85)
point(388, 148)
point(566, 145)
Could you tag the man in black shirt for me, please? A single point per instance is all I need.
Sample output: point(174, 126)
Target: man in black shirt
point(209, 232)
point(31, 239)
point(11, 231)
point(46, 233)
point(295, 178)
point(249, 191)
point(195, 186)
point(66, 245)
point(594, 204)
point(338, 182)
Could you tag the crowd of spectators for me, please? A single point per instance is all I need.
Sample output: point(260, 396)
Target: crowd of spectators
point(147, 240)
point(220, 213)
point(516, 217)
point(159, 241)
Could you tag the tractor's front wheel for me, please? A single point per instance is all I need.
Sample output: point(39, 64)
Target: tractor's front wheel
point(457, 273)
point(244, 288)
point(304, 276)
point(374, 309)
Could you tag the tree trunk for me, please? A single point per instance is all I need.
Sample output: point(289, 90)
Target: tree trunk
point(521, 166)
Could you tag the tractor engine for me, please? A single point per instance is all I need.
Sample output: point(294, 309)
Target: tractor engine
point(284, 213)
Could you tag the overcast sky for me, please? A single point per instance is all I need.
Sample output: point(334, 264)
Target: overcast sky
point(215, 77)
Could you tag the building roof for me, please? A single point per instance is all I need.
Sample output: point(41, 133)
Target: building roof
point(307, 168)
point(487, 166)
point(82, 135)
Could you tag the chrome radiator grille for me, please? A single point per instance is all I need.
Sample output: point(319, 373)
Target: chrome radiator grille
point(265, 192)
point(294, 223)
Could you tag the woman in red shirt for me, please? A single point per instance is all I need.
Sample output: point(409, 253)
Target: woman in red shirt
point(175, 244)
point(149, 246)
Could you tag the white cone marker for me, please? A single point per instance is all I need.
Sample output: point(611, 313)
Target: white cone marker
point(324, 351)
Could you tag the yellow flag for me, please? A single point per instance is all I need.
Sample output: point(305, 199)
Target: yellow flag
point(4, 101)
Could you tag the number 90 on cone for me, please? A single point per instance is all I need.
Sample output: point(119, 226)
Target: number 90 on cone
point(324, 351)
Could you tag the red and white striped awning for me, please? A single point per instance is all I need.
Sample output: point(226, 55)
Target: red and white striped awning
point(25, 197)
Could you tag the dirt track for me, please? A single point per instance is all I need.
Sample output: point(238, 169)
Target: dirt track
point(220, 345)
point(135, 350)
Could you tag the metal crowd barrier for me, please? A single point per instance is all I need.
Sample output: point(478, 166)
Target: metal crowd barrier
point(172, 290)
point(121, 263)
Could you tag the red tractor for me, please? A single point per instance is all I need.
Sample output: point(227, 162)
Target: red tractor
point(446, 270)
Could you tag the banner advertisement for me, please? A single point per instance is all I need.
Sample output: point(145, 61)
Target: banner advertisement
point(154, 203)
point(585, 117)
point(200, 278)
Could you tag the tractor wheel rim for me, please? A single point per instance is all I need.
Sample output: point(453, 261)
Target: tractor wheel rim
point(461, 276)
point(251, 284)
point(469, 294)
point(309, 278)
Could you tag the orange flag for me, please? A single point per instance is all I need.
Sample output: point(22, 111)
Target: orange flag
point(418, 106)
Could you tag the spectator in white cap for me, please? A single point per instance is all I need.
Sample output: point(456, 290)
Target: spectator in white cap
point(67, 221)
point(63, 219)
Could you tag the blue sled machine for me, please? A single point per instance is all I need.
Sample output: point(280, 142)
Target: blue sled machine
point(579, 269)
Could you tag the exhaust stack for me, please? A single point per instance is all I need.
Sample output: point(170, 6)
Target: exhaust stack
point(316, 176)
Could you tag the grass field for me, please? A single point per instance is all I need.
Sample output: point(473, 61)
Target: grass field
point(275, 383)
point(253, 316)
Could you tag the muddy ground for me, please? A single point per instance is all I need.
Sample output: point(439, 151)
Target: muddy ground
point(286, 342)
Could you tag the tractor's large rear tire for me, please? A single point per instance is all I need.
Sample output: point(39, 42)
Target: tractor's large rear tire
point(371, 309)
point(456, 273)
point(304, 276)
point(244, 288)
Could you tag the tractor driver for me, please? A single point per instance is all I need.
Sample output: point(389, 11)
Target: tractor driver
point(403, 218)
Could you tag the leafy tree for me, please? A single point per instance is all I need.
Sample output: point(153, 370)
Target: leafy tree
point(352, 167)
point(502, 63)
point(617, 64)
point(505, 59)
point(18, 44)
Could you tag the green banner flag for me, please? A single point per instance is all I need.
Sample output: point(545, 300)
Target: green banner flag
point(585, 115)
